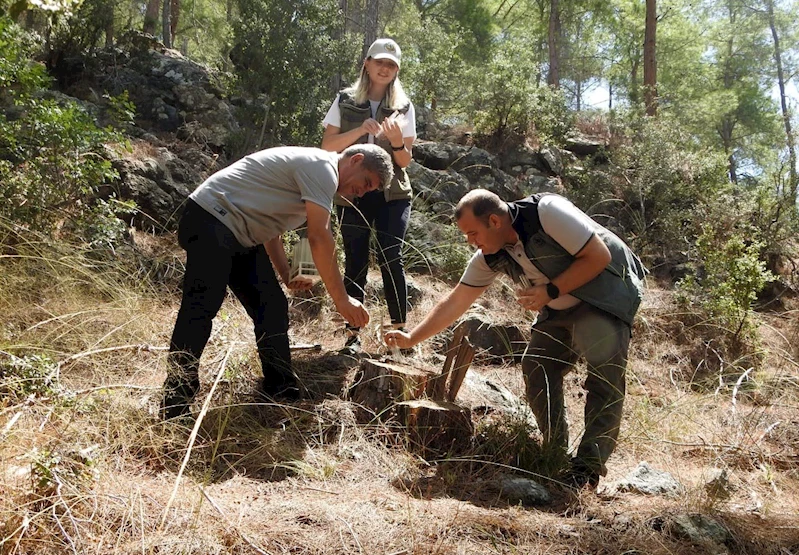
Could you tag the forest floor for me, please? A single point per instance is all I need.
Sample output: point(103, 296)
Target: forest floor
point(86, 466)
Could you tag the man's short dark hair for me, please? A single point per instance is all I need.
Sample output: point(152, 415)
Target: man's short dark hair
point(375, 159)
point(482, 203)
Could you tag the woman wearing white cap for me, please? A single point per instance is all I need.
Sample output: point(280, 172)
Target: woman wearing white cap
point(375, 110)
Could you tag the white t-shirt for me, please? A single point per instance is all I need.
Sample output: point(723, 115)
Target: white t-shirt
point(569, 226)
point(333, 118)
point(263, 195)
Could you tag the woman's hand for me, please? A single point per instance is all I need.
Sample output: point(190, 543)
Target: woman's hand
point(370, 127)
point(391, 129)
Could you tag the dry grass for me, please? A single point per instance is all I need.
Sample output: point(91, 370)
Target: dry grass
point(86, 466)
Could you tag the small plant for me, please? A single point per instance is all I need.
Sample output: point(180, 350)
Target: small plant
point(121, 108)
point(51, 468)
point(731, 276)
point(21, 377)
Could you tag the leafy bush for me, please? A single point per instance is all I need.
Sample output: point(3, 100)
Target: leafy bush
point(730, 275)
point(53, 158)
point(507, 104)
point(654, 189)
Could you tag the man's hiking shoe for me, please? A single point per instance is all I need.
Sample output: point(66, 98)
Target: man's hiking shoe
point(278, 391)
point(177, 399)
point(580, 476)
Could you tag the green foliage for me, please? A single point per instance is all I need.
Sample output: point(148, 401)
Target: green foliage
point(52, 156)
point(651, 192)
point(21, 377)
point(19, 76)
point(436, 248)
point(285, 54)
point(51, 468)
point(121, 108)
point(731, 274)
point(505, 104)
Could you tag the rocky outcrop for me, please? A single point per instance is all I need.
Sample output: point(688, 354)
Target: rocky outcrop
point(160, 181)
point(171, 93)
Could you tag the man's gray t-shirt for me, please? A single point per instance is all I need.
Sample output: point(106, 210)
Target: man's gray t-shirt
point(263, 195)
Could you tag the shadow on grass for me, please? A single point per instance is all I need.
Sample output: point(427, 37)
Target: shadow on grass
point(243, 433)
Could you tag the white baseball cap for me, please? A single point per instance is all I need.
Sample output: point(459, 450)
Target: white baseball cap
point(385, 49)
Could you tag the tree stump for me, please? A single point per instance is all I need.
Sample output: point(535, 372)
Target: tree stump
point(379, 385)
point(436, 428)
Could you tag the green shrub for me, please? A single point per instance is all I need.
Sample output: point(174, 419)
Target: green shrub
point(730, 275)
point(53, 159)
point(505, 104)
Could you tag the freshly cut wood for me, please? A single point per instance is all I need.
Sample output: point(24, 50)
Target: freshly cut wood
point(462, 362)
point(379, 385)
point(436, 428)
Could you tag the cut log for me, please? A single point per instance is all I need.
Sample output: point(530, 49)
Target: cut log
point(379, 385)
point(462, 361)
point(436, 428)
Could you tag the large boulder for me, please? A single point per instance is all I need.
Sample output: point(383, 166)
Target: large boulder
point(160, 181)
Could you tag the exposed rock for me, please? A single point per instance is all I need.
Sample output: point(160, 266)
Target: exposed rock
point(523, 490)
point(717, 484)
point(170, 92)
point(648, 481)
point(702, 530)
point(161, 182)
point(582, 145)
point(438, 187)
point(521, 159)
point(553, 159)
point(496, 340)
point(482, 393)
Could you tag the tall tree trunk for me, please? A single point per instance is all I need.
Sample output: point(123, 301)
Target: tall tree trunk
point(725, 131)
point(174, 17)
point(610, 96)
point(109, 32)
point(553, 78)
point(166, 23)
point(786, 113)
point(151, 16)
point(336, 80)
point(650, 59)
point(634, 92)
point(370, 27)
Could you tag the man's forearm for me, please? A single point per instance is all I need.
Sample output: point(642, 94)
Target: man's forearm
point(277, 254)
point(446, 312)
point(323, 250)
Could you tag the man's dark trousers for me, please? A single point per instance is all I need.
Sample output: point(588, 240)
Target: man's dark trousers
point(215, 260)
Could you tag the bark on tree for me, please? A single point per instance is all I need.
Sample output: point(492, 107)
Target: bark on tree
point(336, 80)
point(166, 26)
point(370, 26)
point(790, 139)
point(174, 18)
point(151, 16)
point(650, 58)
point(553, 77)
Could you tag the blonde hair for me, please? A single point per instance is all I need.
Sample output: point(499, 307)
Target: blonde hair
point(395, 95)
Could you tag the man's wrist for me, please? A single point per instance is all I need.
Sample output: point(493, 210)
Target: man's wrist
point(398, 148)
point(552, 291)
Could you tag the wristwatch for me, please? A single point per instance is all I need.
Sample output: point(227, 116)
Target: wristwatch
point(553, 291)
point(398, 148)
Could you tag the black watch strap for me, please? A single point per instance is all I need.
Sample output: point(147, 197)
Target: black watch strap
point(397, 148)
point(553, 291)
